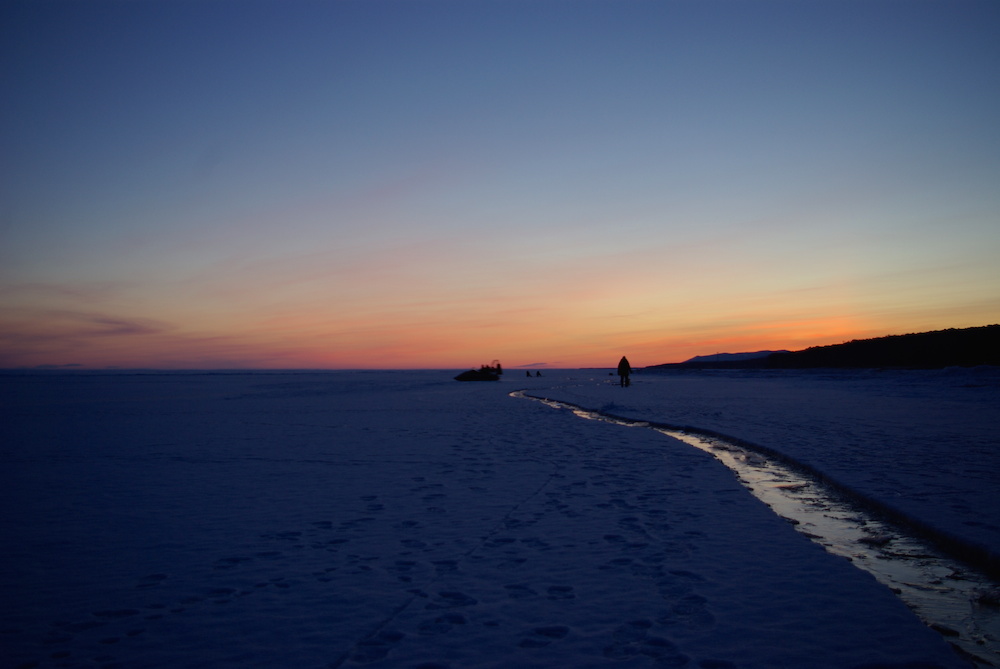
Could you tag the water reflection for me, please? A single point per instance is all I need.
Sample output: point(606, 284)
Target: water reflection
point(957, 601)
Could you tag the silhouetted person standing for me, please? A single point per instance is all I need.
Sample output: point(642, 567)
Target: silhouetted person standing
point(624, 369)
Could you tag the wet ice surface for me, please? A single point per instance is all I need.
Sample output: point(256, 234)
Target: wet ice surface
point(398, 520)
point(950, 597)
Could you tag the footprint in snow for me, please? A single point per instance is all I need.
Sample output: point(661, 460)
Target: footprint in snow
point(450, 599)
point(557, 592)
point(375, 649)
point(690, 610)
point(543, 636)
point(151, 580)
point(413, 543)
point(535, 542)
point(441, 624)
point(633, 639)
point(115, 614)
point(445, 566)
point(515, 591)
point(500, 541)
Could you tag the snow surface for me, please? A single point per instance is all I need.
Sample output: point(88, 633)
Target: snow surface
point(926, 443)
point(402, 519)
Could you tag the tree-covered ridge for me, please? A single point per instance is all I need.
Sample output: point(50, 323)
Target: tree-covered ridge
point(967, 347)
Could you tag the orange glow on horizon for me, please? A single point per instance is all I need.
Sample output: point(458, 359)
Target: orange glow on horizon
point(310, 346)
point(560, 318)
point(470, 197)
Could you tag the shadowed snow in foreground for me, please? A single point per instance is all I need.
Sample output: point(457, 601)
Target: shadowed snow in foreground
point(400, 519)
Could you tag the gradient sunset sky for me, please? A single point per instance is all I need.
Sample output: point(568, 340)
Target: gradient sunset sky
point(371, 184)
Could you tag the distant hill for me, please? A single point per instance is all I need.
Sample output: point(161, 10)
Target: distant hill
point(731, 357)
point(966, 347)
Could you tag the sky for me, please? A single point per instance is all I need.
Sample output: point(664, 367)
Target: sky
point(434, 184)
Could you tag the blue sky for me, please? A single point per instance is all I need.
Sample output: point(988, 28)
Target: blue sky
point(424, 184)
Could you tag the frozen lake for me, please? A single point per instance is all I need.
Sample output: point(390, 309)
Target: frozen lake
point(401, 519)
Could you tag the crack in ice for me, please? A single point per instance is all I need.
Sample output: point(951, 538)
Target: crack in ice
point(952, 598)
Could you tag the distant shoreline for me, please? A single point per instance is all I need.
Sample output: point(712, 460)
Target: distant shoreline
point(968, 347)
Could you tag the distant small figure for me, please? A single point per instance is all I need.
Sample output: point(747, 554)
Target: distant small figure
point(624, 369)
point(527, 372)
point(538, 373)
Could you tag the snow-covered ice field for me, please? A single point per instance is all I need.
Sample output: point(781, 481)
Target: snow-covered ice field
point(926, 443)
point(402, 519)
